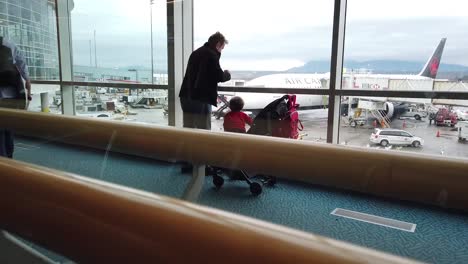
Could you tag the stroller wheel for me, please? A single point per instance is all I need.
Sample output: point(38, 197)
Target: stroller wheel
point(255, 188)
point(218, 181)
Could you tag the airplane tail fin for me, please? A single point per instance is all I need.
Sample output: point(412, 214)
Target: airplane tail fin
point(432, 65)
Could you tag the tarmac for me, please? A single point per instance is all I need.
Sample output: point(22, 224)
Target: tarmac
point(315, 129)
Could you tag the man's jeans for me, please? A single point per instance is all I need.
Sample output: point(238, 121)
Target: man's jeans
point(196, 114)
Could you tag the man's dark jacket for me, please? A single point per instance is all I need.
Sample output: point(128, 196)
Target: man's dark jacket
point(203, 75)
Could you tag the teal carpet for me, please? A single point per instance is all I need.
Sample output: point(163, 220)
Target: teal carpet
point(140, 173)
point(440, 236)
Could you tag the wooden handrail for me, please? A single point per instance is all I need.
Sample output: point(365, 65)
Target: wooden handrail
point(428, 179)
point(91, 221)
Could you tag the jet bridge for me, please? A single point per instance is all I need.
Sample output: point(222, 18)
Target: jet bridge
point(450, 86)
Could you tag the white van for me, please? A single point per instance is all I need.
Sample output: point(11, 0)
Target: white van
point(462, 130)
point(386, 137)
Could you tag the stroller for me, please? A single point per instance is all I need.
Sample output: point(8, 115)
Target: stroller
point(279, 119)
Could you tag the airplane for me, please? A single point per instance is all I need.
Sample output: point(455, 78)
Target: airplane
point(255, 102)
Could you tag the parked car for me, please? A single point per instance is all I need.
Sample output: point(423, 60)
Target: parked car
point(386, 137)
point(446, 117)
point(413, 113)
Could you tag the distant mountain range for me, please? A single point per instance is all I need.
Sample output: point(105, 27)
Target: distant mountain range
point(377, 66)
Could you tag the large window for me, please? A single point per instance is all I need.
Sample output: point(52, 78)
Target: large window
point(396, 48)
point(125, 43)
point(398, 37)
point(289, 46)
point(404, 66)
point(417, 125)
point(119, 41)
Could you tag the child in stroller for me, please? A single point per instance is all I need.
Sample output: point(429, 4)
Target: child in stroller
point(279, 118)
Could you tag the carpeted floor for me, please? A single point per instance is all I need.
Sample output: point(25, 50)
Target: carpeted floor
point(440, 236)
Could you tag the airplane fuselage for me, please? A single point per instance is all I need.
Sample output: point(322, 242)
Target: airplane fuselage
point(367, 81)
point(255, 101)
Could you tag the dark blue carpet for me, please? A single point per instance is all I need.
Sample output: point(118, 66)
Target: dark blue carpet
point(440, 236)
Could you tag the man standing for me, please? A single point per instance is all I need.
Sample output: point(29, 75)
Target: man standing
point(199, 89)
point(13, 70)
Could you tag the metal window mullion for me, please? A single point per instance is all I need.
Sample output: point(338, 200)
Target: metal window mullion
point(336, 70)
point(63, 9)
point(180, 45)
point(118, 85)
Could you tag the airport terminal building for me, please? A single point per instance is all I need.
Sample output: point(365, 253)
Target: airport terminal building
point(31, 25)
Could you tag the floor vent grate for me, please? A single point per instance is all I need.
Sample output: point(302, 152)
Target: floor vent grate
point(376, 220)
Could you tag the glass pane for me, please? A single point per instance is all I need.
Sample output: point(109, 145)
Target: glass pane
point(122, 104)
point(313, 117)
point(435, 126)
point(46, 98)
point(277, 41)
point(282, 48)
point(118, 48)
point(400, 46)
point(3, 8)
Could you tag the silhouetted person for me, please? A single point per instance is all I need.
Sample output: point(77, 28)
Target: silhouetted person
point(13, 71)
point(199, 89)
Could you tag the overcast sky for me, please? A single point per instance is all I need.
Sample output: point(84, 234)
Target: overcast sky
point(274, 35)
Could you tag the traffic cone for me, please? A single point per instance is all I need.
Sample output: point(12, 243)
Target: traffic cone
point(404, 123)
point(438, 133)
